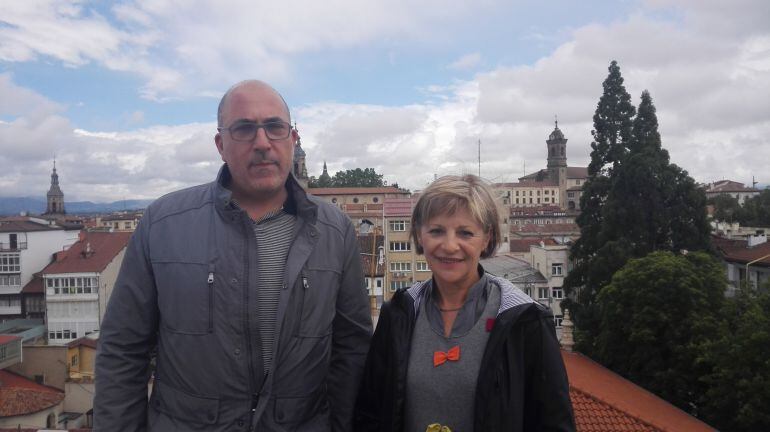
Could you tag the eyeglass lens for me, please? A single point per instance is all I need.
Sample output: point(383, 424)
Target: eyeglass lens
point(247, 131)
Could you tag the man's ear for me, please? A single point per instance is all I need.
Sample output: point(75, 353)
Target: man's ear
point(220, 145)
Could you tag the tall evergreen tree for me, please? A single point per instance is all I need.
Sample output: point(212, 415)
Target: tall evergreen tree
point(611, 136)
point(637, 203)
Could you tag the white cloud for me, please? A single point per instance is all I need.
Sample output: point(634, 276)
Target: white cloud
point(466, 62)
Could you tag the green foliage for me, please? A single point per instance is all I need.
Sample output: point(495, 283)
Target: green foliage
point(358, 177)
point(754, 212)
point(655, 314)
point(739, 355)
point(634, 202)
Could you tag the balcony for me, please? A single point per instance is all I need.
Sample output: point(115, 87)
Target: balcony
point(10, 310)
point(13, 246)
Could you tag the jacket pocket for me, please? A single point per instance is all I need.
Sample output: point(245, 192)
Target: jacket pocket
point(319, 289)
point(294, 411)
point(184, 407)
point(185, 296)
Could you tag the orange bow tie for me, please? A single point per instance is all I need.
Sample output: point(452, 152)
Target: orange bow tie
point(440, 357)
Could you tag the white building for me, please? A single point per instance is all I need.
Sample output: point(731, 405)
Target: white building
point(27, 244)
point(79, 282)
point(734, 189)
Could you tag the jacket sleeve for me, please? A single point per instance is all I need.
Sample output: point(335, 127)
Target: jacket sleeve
point(127, 337)
point(551, 390)
point(351, 333)
point(378, 375)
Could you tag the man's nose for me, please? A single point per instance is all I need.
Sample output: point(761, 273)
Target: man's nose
point(261, 142)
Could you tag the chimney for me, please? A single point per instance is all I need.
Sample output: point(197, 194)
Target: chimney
point(567, 337)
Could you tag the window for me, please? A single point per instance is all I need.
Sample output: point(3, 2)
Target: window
point(375, 200)
point(528, 291)
point(557, 319)
point(517, 194)
point(334, 200)
point(400, 246)
point(394, 285)
point(517, 200)
point(379, 283)
point(557, 293)
point(10, 280)
point(542, 293)
point(126, 225)
point(398, 225)
point(538, 193)
point(570, 194)
point(556, 269)
point(75, 360)
point(78, 285)
point(400, 266)
point(9, 263)
point(422, 266)
point(546, 199)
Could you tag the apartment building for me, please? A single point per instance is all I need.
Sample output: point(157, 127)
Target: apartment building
point(79, 282)
point(27, 244)
point(405, 266)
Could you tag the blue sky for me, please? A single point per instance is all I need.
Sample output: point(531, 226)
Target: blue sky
point(125, 93)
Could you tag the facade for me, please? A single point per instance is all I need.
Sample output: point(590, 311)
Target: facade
point(123, 221)
point(405, 266)
point(734, 189)
point(558, 184)
point(79, 282)
point(364, 205)
point(372, 249)
point(27, 244)
point(25, 402)
point(745, 260)
point(552, 262)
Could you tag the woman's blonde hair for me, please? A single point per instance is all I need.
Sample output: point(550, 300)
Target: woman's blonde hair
point(449, 194)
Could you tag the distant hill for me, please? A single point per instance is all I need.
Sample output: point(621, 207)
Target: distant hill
point(14, 206)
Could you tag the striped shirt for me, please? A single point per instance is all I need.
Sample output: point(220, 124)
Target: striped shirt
point(274, 234)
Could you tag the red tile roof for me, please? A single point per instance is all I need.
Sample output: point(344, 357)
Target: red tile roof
point(23, 224)
point(22, 396)
point(724, 186)
point(546, 228)
point(522, 245)
point(577, 172)
point(356, 191)
point(4, 339)
point(85, 341)
point(35, 285)
point(104, 247)
point(399, 206)
point(739, 252)
point(605, 401)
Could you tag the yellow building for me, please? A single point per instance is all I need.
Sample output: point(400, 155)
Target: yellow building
point(403, 265)
point(81, 355)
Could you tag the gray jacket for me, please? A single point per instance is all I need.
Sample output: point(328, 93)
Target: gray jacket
point(183, 290)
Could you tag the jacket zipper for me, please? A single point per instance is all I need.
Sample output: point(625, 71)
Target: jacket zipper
point(210, 282)
point(247, 331)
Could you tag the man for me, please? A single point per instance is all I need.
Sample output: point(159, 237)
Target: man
point(250, 290)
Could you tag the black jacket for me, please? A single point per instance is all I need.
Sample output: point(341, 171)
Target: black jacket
point(522, 383)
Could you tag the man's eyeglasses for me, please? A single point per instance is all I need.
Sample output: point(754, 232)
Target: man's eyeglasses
point(247, 130)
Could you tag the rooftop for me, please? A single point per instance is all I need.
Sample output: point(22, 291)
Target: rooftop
point(356, 191)
point(26, 224)
point(738, 251)
point(398, 206)
point(22, 396)
point(513, 269)
point(91, 254)
point(605, 401)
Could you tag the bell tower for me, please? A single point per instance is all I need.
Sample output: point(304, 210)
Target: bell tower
point(55, 196)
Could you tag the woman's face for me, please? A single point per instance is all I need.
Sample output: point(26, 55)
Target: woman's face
point(452, 245)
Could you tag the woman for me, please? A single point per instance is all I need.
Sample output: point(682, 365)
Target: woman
point(464, 351)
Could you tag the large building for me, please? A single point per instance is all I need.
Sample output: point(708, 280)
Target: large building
point(27, 244)
point(405, 266)
point(731, 188)
point(79, 282)
point(557, 184)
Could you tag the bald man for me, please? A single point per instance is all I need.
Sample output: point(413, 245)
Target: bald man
point(249, 290)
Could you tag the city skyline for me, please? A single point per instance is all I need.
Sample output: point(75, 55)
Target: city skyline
point(124, 95)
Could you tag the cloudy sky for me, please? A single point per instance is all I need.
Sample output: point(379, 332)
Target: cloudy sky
point(124, 93)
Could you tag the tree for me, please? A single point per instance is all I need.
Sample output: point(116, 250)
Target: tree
point(739, 383)
point(756, 210)
point(611, 134)
point(655, 314)
point(634, 202)
point(726, 208)
point(358, 177)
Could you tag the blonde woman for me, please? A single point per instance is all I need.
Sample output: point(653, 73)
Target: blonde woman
point(464, 351)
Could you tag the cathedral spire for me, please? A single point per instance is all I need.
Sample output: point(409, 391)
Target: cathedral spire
point(55, 196)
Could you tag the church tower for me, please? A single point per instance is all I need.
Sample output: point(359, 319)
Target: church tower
point(55, 196)
point(299, 170)
point(557, 161)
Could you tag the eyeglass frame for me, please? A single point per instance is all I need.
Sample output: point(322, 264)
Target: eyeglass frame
point(256, 129)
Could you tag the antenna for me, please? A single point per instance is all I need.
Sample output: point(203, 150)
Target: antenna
point(479, 158)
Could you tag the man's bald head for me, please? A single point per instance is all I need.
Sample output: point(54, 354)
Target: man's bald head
point(247, 83)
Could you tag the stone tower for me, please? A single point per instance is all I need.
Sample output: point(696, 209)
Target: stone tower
point(557, 161)
point(299, 170)
point(55, 196)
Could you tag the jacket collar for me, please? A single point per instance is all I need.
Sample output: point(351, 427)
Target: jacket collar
point(297, 200)
point(510, 295)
